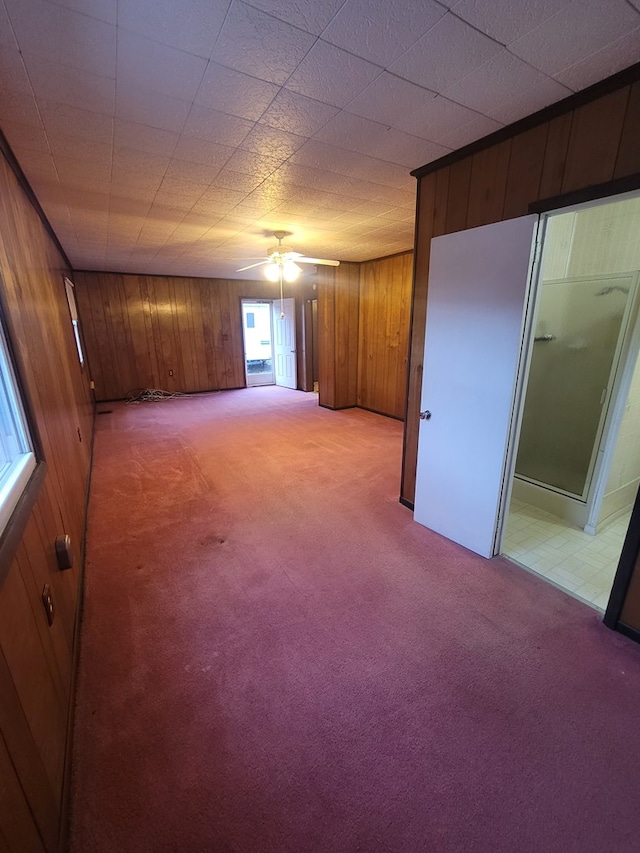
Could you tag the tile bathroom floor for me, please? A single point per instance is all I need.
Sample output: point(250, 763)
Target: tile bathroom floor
point(582, 564)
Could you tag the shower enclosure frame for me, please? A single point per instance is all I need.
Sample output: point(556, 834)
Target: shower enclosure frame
point(616, 406)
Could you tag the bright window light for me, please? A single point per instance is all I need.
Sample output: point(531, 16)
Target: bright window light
point(17, 458)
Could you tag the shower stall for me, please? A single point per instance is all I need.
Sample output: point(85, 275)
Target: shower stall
point(579, 377)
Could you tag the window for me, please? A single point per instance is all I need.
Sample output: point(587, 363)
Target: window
point(73, 310)
point(251, 320)
point(17, 457)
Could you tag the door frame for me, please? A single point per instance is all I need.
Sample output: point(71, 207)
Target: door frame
point(246, 300)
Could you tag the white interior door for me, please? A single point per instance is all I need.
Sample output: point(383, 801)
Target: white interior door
point(478, 286)
point(284, 342)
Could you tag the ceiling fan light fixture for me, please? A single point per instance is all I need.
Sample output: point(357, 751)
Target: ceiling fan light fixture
point(272, 271)
point(290, 271)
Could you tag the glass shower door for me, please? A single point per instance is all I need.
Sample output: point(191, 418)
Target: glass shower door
point(578, 338)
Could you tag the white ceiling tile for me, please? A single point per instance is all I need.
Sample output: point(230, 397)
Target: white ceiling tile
point(501, 86)
point(477, 128)
point(183, 172)
point(48, 31)
point(254, 163)
point(7, 37)
point(195, 150)
point(616, 56)
point(158, 67)
point(18, 108)
point(134, 103)
point(103, 10)
point(272, 142)
point(395, 102)
point(309, 15)
point(59, 84)
point(237, 181)
point(447, 52)
point(215, 126)
point(233, 92)
point(331, 75)
point(320, 155)
point(26, 137)
point(141, 137)
point(85, 125)
point(296, 114)
point(382, 32)
point(443, 118)
point(191, 25)
point(66, 145)
point(505, 20)
point(560, 41)
point(271, 49)
point(378, 140)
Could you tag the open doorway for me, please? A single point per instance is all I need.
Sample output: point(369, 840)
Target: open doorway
point(269, 333)
point(577, 465)
point(258, 342)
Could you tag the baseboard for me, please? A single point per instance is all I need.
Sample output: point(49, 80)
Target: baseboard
point(406, 503)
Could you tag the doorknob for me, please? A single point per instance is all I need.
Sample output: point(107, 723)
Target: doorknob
point(426, 415)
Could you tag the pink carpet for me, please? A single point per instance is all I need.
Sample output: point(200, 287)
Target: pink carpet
point(275, 657)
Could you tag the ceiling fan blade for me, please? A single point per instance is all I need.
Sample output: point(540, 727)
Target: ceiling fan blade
point(251, 266)
point(318, 261)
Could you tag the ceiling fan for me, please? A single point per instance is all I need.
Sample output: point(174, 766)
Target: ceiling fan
point(283, 261)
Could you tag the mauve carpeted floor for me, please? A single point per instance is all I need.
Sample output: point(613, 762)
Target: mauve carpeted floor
point(275, 657)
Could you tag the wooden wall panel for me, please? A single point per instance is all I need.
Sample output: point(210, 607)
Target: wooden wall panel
point(174, 334)
point(385, 302)
point(338, 306)
point(35, 659)
point(587, 145)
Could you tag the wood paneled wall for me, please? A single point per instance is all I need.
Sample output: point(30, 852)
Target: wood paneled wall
point(385, 307)
point(35, 659)
point(338, 306)
point(177, 334)
point(586, 145)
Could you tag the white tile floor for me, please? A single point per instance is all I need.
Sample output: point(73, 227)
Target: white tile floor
point(582, 564)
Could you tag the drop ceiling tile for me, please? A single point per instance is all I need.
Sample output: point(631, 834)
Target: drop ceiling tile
point(103, 10)
point(447, 52)
point(272, 142)
point(235, 93)
point(191, 25)
point(141, 137)
point(215, 126)
point(252, 163)
point(271, 49)
point(135, 103)
point(475, 129)
point(58, 84)
point(610, 59)
point(395, 102)
point(382, 32)
point(237, 181)
point(26, 137)
point(501, 87)
point(505, 20)
point(378, 140)
point(308, 15)
point(140, 162)
point(331, 75)
point(66, 145)
point(17, 108)
point(560, 41)
point(320, 155)
point(49, 31)
point(158, 67)
point(200, 151)
point(85, 125)
point(7, 37)
point(441, 117)
point(296, 114)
